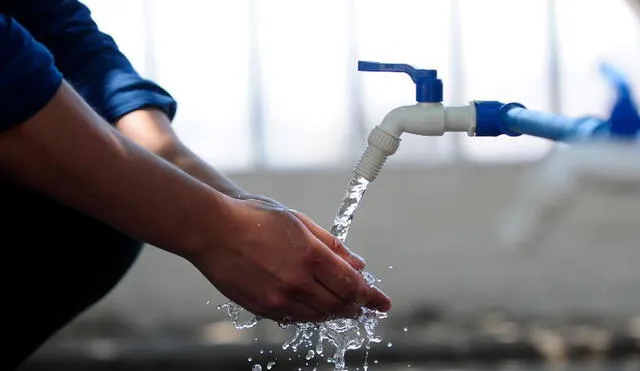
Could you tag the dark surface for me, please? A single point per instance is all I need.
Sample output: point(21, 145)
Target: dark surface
point(172, 355)
point(425, 340)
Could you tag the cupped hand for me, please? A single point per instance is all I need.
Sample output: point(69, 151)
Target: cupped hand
point(278, 264)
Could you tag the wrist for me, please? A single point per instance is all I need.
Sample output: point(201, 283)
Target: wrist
point(213, 226)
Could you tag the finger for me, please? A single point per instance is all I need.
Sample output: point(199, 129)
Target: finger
point(315, 295)
point(356, 261)
point(377, 299)
point(344, 281)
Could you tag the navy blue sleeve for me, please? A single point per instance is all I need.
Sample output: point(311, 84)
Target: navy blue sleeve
point(89, 59)
point(28, 76)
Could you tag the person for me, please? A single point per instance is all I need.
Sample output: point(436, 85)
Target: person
point(90, 169)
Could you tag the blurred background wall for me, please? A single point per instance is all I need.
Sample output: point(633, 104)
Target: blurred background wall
point(435, 227)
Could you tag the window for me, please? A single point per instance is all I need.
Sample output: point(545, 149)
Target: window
point(273, 83)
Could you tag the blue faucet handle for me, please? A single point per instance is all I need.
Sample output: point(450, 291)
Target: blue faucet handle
point(428, 85)
point(624, 120)
point(415, 74)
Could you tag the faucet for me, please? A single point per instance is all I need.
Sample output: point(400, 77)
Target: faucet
point(608, 149)
point(429, 117)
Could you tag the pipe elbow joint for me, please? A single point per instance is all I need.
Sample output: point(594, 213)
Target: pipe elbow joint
point(384, 139)
point(420, 119)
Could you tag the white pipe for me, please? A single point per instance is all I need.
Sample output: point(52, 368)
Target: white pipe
point(427, 119)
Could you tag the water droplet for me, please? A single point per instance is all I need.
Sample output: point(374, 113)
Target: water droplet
point(375, 361)
point(310, 354)
point(270, 364)
point(256, 368)
point(261, 351)
point(391, 267)
point(208, 302)
point(389, 345)
point(408, 366)
point(249, 359)
point(405, 329)
point(270, 351)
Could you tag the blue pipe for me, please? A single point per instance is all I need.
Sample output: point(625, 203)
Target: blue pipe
point(554, 127)
point(513, 119)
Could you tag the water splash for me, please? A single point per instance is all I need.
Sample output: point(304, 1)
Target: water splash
point(234, 311)
point(342, 334)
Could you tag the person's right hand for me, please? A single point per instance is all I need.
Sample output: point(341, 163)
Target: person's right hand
point(275, 264)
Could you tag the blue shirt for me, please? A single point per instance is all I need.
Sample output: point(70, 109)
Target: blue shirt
point(45, 41)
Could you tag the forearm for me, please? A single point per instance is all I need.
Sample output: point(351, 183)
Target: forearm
point(69, 153)
point(151, 129)
point(199, 169)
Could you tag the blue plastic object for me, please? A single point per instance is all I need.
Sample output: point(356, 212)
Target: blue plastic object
point(496, 118)
point(489, 120)
point(428, 86)
point(624, 120)
point(513, 119)
point(554, 127)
